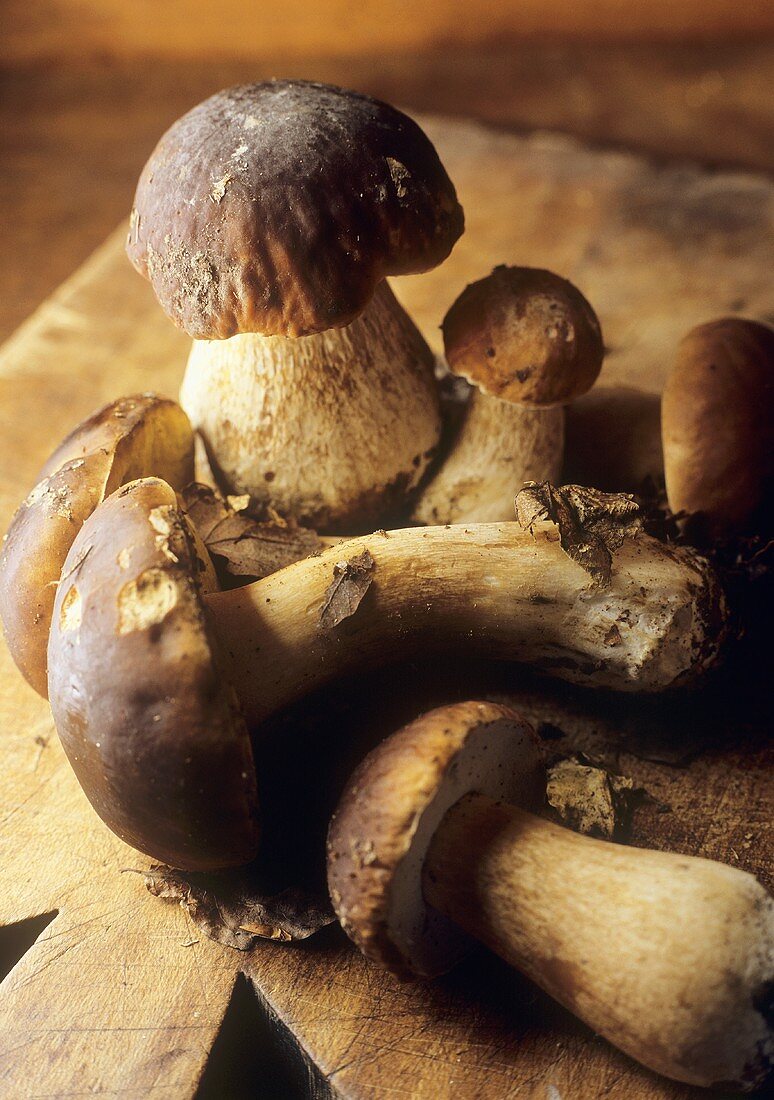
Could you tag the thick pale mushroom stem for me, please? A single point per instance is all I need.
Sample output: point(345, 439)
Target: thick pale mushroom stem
point(334, 428)
point(491, 588)
point(151, 676)
point(660, 953)
point(498, 448)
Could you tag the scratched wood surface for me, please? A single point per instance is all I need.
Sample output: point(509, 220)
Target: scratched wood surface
point(119, 994)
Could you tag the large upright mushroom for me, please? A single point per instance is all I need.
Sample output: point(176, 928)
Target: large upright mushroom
point(267, 219)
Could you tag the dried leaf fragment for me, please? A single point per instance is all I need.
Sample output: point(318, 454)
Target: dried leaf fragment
point(589, 799)
point(245, 546)
point(343, 596)
point(205, 506)
point(592, 525)
point(232, 909)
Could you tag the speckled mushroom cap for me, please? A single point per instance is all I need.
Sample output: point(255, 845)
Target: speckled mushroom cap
point(129, 438)
point(387, 816)
point(524, 335)
point(276, 208)
point(145, 715)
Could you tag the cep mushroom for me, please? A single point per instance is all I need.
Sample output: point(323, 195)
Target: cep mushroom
point(153, 679)
point(718, 428)
point(266, 220)
point(434, 845)
point(529, 342)
point(127, 439)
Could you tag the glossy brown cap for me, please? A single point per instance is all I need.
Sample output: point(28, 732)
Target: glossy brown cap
point(276, 208)
point(524, 335)
point(392, 807)
point(147, 719)
point(129, 438)
point(717, 420)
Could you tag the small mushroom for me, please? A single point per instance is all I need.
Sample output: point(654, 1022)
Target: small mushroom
point(433, 845)
point(267, 219)
point(530, 342)
point(718, 428)
point(154, 677)
point(129, 438)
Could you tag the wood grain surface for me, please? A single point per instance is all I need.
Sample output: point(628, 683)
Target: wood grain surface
point(120, 995)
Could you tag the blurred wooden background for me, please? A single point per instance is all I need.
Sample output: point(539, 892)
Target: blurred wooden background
point(304, 28)
point(87, 86)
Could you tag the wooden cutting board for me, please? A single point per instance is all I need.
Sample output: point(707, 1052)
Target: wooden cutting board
point(119, 994)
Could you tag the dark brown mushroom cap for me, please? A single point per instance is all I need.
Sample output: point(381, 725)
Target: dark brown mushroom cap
point(717, 420)
point(524, 335)
point(145, 715)
point(276, 208)
point(387, 816)
point(129, 438)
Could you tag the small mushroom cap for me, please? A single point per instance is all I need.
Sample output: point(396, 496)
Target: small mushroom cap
point(146, 717)
point(129, 438)
point(524, 335)
point(717, 420)
point(393, 805)
point(276, 208)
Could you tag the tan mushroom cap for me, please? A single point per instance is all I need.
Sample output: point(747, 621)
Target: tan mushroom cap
point(129, 438)
point(387, 816)
point(524, 335)
point(717, 420)
point(147, 719)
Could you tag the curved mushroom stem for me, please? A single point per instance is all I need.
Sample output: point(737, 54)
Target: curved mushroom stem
point(492, 588)
point(498, 447)
point(334, 429)
point(665, 955)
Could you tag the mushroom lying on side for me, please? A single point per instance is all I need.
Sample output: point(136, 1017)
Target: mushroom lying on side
point(669, 957)
point(129, 438)
point(152, 679)
point(530, 342)
point(267, 219)
point(718, 428)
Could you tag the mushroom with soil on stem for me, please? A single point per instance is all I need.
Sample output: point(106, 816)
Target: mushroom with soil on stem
point(267, 219)
point(154, 680)
point(718, 428)
point(434, 845)
point(129, 438)
point(528, 342)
